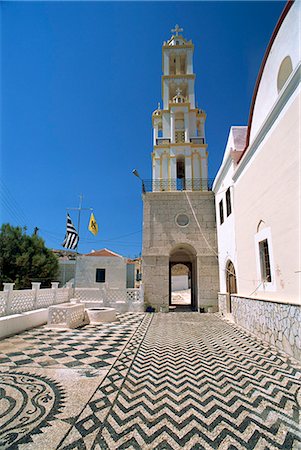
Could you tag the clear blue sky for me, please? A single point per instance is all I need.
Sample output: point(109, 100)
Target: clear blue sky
point(79, 82)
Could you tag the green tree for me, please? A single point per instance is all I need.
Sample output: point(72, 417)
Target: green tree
point(25, 258)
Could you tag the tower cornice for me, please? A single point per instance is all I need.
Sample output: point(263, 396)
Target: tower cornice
point(180, 144)
point(179, 76)
point(173, 47)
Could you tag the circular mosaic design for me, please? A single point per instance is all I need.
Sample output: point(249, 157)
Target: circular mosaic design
point(27, 403)
point(182, 220)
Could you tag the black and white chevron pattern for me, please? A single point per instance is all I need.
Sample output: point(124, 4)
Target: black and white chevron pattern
point(193, 382)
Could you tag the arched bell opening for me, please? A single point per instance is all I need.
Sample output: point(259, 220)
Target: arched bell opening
point(182, 278)
point(181, 185)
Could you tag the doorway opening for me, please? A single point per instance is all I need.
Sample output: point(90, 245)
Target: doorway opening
point(180, 284)
point(182, 278)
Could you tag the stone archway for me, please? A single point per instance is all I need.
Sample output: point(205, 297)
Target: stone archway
point(182, 277)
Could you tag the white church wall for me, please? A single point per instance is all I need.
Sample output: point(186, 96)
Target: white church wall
point(285, 43)
point(267, 196)
point(225, 230)
point(179, 283)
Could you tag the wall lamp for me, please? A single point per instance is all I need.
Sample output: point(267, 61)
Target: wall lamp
point(135, 172)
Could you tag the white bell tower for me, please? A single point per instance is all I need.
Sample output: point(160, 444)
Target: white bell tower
point(180, 149)
point(179, 228)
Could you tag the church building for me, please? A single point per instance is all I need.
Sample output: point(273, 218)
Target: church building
point(179, 228)
point(258, 199)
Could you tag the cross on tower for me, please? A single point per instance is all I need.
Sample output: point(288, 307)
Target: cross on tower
point(177, 30)
point(178, 92)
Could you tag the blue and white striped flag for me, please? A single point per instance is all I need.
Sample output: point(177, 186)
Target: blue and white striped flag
point(71, 238)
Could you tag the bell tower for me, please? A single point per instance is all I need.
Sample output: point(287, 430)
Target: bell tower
point(179, 144)
point(180, 269)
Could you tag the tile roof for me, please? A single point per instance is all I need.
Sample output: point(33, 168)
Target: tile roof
point(102, 252)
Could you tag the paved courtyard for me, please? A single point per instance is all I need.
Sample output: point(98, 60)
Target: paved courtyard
point(162, 381)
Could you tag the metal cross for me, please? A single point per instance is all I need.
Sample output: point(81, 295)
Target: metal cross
point(177, 30)
point(178, 91)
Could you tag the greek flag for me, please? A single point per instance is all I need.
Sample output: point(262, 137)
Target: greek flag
point(71, 238)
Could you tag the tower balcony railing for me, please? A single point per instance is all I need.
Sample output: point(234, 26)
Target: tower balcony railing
point(177, 184)
point(197, 140)
point(180, 138)
point(162, 141)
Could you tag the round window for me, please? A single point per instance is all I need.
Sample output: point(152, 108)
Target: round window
point(182, 220)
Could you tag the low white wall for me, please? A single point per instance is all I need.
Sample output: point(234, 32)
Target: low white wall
point(179, 283)
point(10, 325)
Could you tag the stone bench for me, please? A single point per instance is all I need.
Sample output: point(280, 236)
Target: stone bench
point(66, 315)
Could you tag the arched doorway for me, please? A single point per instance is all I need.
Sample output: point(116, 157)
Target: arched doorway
point(230, 282)
point(182, 278)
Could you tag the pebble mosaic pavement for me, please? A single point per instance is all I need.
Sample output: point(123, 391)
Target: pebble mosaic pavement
point(163, 381)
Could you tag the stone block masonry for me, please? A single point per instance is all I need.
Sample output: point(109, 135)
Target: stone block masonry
point(277, 323)
point(162, 235)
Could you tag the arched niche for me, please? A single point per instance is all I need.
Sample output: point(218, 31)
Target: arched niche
point(285, 69)
point(231, 284)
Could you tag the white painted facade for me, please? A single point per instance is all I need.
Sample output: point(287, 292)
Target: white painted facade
point(287, 43)
point(179, 128)
point(227, 250)
point(266, 181)
point(114, 266)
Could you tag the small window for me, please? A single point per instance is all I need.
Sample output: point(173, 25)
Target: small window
point(228, 202)
point(100, 275)
point(264, 257)
point(182, 220)
point(221, 212)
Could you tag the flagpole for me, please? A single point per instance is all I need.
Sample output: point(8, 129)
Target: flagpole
point(78, 231)
point(79, 209)
point(78, 219)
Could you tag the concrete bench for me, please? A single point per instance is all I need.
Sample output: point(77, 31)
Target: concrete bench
point(66, 315)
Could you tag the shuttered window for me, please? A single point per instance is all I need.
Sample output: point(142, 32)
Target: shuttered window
point(100, 275)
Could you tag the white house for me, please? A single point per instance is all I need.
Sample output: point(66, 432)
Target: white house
point(99, 268)
point(259, 239)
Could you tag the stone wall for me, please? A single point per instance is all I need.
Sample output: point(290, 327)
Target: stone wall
point(156, 280)
point(222, 304)
point(276, 323)
point(162, 234)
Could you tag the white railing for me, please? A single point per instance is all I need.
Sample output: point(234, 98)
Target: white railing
point(111, 296)
point(89, 294)
point(19, 301)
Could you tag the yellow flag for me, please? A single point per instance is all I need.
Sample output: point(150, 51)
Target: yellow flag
point(93, 227)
